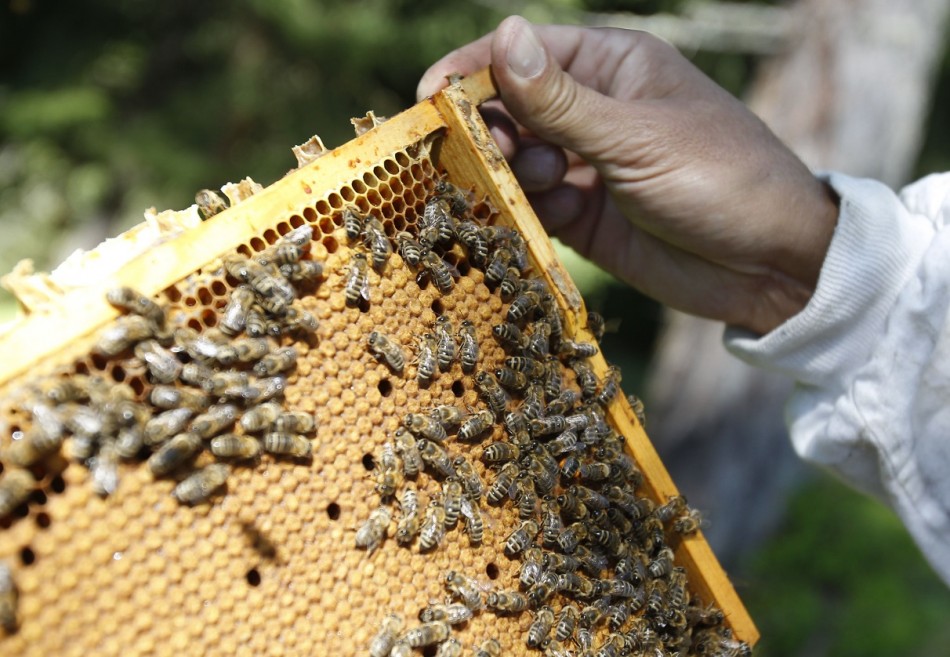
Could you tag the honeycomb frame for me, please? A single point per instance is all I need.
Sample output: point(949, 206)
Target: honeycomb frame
point(201, 566)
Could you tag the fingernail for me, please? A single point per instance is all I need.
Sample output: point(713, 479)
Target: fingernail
point(526, 56)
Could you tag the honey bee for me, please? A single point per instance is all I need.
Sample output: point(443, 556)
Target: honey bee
point(504, 480)
point(525, 494)
point(260, 417)
point(389, 473)
point(385, 350)
point(233, 446)
point(438, 271)
point(262, 279)
point(295, 422)
point(303, 271)
point(201, 485)
point(435, 456)
point(437, 225)
point(161, 363)
point(594, 472)
point(529, 366)
point(357, 280)
point(274, 363)
point(209, 203)
point(540, 627)
point(280, 254)
point(452, 492)
point(662, 564)
point(168, 397)
point(32, 446)
point(689, 523)
point(234, 316)
point(569, 349)
point(571, 536)
point(489, 648)
point(586, 378)
point(251, 349)
point(375, 529)
point(410, 524)
point(450, 648)
point(508, 335)
point(566, 622)
point(135, 302)
point(507, 602)
point(459, 202)
point(492, 392)
point(406, 448)
point(594, 614)
point(287, 444)
point(426, 359)
point(409, 248)
point(538, 345)
point(471, 236)
point(610, 387)
point(500, 452)
point(532, 566)
point(511, 379)
point(563, 403)
point(198, 374)
point(447, 347)
point(214, 420)
point(129, 441)
point(382, 643)
point(453, 613)
point(256, 322)
point(401, 649)
point(104, 469)
point(123, 333)
point(425, 427)
point(468, 346)
point(613, 646)
point(523, 306)
point(519, 540)
point(353, 223)
point(15, 487)
point(471, 482)
point(447, 415)
point(208, 347)
point(9, 600)
point(474, 523)
point(561, 563)
point(465, 589)
point(476, 425)
point(174, 453)
point(710, 615)
point(510, 284)
point(376, 241)
point(264, 389)
point(674, 507)
point(433, 526)
point(636, 404)
point(165, 425)
point(497, 266)
point(427, 634)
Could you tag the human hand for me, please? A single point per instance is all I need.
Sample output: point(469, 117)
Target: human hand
point(637, 160)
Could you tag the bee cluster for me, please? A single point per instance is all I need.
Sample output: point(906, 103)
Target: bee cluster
point(596, 568)
point(218, 390)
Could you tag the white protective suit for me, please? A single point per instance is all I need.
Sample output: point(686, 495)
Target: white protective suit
point(870, 354)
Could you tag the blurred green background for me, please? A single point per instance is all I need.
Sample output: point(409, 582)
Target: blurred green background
point(108, 108)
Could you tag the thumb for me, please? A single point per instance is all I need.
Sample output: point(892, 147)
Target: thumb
point(547, 100)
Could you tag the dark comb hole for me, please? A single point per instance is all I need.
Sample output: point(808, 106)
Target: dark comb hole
point(219, 288)
point(326, 225)
point(437, 307)
point(118, 374)
point(42, 520)
point(458, 388)
point(347, 194)
point(330, 244)
point(309, 214)
point(253, 577)
point(270, 236)
point(38, 497)
point(368, 461)
point(333, 511)
point(430, 651)
point(492, 571)
point(57, 484)
point(385, 387)
point(27, 556)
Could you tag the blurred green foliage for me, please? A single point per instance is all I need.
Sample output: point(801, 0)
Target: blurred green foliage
point(843, 577)
point(107, 108)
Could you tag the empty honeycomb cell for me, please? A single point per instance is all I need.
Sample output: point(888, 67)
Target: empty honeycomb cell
point(335, 201)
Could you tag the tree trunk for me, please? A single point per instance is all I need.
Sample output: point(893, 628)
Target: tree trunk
point(851, 93)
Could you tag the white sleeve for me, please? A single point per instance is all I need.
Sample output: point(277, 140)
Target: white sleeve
point(870, 354)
